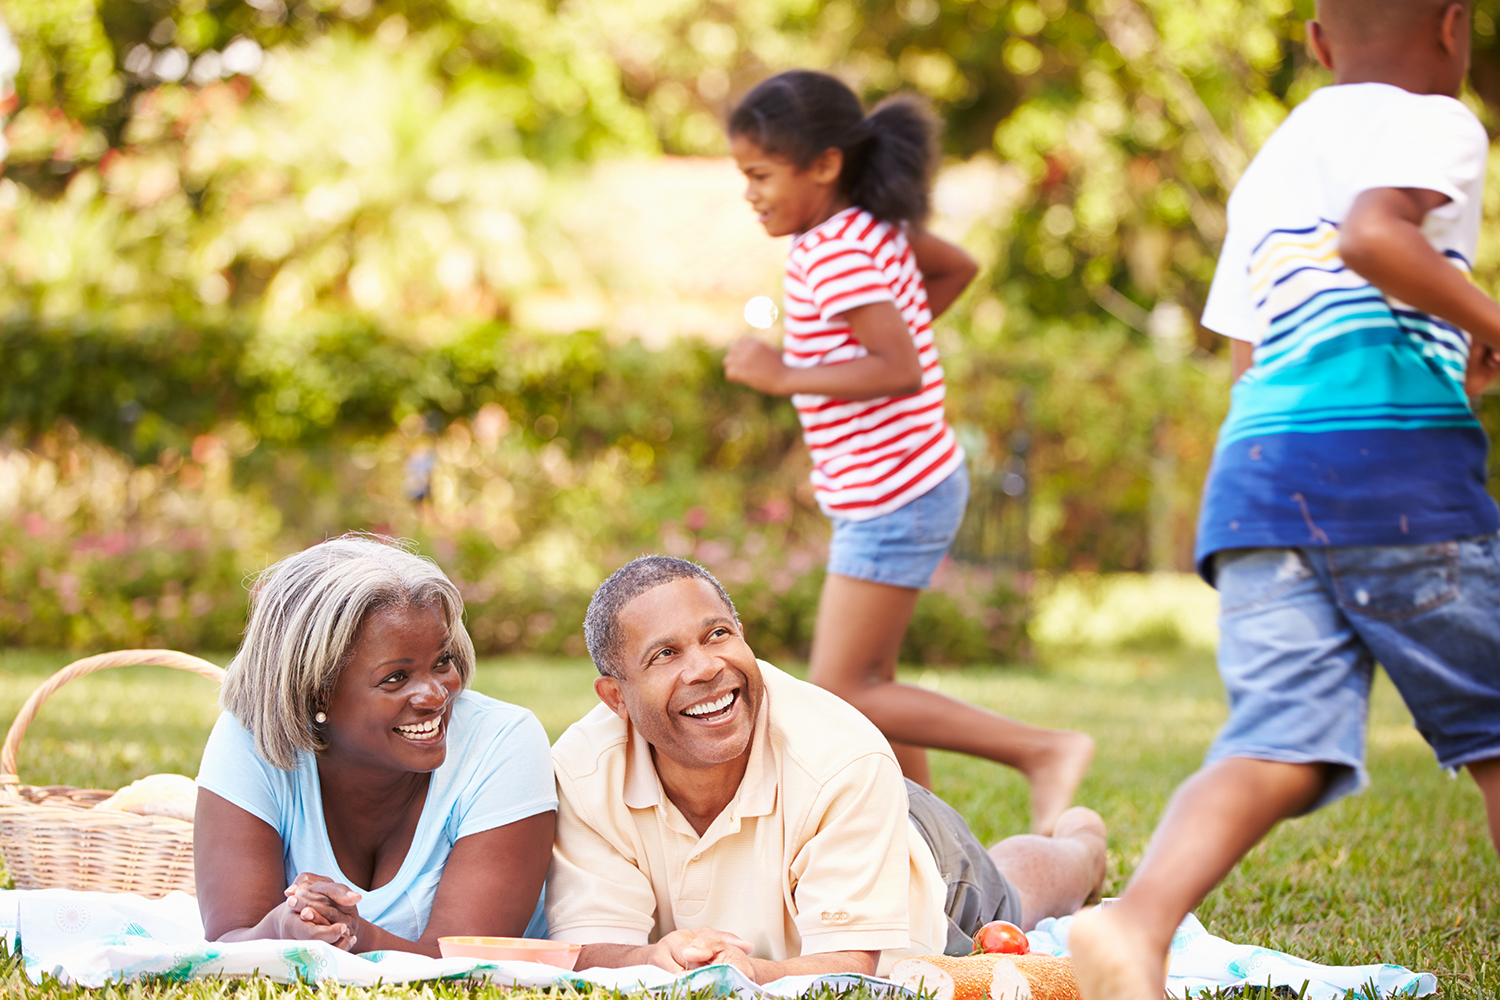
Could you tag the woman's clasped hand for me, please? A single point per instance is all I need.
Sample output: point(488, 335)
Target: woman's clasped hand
point(322, 910)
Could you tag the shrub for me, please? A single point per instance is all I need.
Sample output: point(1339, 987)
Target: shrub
point(97, 552)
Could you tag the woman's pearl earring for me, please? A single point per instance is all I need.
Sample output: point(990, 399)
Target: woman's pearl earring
point(320, 718)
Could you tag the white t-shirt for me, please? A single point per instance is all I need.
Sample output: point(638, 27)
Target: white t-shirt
point(1342, 141)
point(1352, 427)
point(498, 770)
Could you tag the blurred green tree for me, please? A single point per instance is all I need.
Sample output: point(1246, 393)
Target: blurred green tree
point(336, 192)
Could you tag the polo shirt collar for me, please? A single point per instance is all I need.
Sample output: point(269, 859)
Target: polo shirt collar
point(757, 792)
point(642, 786)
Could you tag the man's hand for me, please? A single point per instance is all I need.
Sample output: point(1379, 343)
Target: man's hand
point(683, 951)
point(680, 951)
point(756, 364)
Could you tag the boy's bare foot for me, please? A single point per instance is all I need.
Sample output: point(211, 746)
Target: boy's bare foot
point(1055, 776)
point(1113, 960)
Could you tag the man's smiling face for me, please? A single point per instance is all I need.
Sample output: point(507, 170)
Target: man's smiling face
point(688, 681)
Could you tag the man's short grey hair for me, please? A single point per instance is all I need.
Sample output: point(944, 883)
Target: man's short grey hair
point(601, 625)
point(305, 616)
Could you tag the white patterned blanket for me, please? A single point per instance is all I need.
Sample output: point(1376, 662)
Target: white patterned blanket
point(95, 938)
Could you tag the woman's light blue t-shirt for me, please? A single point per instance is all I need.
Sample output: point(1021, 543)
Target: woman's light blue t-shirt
point(498, 770)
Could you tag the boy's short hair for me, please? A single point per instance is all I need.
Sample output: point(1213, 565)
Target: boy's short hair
point(601, 625)
point(305, 616)
point(1365, 21)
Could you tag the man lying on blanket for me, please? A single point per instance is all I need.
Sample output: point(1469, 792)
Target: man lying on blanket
point(714, 809)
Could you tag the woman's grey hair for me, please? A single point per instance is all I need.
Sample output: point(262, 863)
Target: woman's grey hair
point(601, 625)
point(306, 612)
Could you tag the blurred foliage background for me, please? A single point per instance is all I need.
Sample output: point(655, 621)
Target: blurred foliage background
point(462, 270)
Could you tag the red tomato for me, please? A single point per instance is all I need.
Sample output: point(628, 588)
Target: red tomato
point(1001, 936)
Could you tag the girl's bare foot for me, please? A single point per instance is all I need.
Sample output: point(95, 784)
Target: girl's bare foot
point(1055, 775)
point(1112, 958)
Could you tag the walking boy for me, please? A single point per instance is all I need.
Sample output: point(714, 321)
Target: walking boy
point(1345, 519)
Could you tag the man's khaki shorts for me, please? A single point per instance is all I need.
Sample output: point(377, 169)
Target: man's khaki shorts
point(977, 892)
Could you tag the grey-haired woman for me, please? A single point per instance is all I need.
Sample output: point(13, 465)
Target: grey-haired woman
point(353, 791)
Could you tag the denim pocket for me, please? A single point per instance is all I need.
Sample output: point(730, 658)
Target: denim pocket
point(1394, 582)
point(1249, 578)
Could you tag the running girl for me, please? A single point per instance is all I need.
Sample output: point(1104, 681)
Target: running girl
point(863, 283)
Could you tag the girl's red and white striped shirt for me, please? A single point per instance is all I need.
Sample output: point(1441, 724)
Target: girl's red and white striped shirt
point(870, 456)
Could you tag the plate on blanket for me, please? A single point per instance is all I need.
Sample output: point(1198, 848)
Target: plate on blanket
point(509, 949)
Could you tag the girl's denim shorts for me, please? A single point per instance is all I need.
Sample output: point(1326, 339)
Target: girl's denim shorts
point(902, 548)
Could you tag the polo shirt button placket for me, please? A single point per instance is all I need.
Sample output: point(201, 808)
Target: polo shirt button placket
point(693, 895)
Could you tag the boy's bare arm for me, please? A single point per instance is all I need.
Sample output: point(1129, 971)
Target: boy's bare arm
point(946, 270)
point(1483, 369)
point(1382, 241)
point(1241, 358)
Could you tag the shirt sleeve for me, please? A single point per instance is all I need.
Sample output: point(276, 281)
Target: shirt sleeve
point(1230, 308)
point(595, 893)
point(1429, 142)
point(510, 780)
point(853, 872)
point(841, 276)
point(232, 770)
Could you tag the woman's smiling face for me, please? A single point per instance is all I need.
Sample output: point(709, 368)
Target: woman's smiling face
point(392, 701)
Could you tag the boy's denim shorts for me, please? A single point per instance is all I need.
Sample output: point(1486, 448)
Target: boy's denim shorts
point(1302, 629)
point(902, 548)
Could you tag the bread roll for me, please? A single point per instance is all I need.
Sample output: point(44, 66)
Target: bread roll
point(172, 795)
point(989, 977)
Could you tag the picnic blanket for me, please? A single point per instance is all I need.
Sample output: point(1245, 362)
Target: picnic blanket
point(94, 938)
point(1203, 962)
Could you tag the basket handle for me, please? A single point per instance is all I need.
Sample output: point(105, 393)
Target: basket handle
point(9, 780)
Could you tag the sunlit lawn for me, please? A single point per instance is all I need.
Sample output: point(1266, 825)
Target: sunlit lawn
point(1403, 873)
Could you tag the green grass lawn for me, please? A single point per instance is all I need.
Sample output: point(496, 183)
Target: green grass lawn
point(1403, 873)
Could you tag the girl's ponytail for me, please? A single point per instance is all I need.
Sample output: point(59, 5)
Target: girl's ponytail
point(889, 156)
point(893, 176)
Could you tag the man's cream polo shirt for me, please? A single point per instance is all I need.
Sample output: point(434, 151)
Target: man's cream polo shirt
point(814, 853)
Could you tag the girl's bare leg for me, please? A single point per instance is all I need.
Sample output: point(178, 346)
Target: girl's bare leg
point(858, 634)
point(913, 761)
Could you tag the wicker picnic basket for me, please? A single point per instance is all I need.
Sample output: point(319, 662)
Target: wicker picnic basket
point(52, 837)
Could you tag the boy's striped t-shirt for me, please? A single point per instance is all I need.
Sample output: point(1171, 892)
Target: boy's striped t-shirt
point(1351, 427)
point(870, 456)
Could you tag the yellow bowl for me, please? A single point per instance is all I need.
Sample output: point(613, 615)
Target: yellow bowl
point(510, 949)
